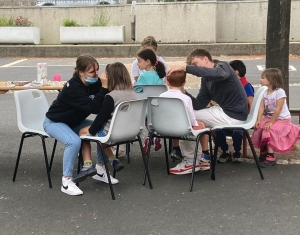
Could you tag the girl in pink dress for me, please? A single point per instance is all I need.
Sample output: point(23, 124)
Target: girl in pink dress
point(274, 131)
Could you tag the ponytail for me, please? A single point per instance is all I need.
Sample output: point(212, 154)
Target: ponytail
point(148, 54)
point(160, 69)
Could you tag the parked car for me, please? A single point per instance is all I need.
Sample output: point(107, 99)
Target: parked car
point(74, 2)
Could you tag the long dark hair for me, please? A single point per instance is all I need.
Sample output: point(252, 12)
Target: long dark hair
point(148, 54)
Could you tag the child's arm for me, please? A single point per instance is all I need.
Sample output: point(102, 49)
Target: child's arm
point(141, 80)
point(250, 100)
point(260, 114)
point(103, 116)
point(279, 105)
point(199, 127)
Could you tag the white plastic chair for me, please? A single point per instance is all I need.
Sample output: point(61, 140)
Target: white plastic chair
point(32, 106)
point(168, 118)
point(126, 126)
point(144, 91)
point(248, 124)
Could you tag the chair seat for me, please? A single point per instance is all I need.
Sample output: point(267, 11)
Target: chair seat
point(32, 106)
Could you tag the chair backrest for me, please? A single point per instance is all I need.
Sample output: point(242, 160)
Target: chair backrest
point(128, 121)
point(144, 91)
point(255, 107)
point(32, 106)
point(168, 116)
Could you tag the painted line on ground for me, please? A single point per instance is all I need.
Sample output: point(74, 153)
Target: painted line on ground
point(13, 63)
point(262, 67)
point(34, 66)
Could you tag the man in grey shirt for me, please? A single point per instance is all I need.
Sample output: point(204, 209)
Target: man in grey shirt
point(219, 83)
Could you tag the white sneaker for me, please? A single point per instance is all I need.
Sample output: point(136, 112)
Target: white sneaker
point(69, 187)
point(102, 176)
point(184, 167)
point(204, 166)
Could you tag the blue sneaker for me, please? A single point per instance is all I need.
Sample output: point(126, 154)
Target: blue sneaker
point(84, 173)
point(176, 155)
point(205, 158)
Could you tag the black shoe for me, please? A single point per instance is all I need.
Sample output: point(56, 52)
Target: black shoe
point(236, 158)
point(84, 173)
point(117, 165)
point(262, 158)
point(225, 157)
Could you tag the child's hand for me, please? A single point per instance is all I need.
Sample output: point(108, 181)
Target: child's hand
point(103, 79)
point(268, 126)
point(176, 68)
point(256, 126)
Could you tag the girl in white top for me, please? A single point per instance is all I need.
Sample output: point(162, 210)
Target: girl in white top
point(275, 131)
point(148, 43)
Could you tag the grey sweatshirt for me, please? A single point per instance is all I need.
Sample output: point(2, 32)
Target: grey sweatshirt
point(222, 85)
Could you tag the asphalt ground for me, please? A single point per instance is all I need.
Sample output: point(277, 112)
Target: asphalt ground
point(237, 202)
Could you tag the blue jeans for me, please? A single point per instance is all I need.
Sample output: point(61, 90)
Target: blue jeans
point(237, 137)
point(70, 138)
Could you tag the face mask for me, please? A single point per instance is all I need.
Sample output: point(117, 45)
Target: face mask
point(91, 80)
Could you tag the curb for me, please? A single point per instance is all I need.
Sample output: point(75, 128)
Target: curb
point(130, 50)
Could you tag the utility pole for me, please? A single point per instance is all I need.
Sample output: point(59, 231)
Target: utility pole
point(278, 33)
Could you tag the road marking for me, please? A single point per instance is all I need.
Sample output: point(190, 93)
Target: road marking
point(13, 63)
point(262, 67)
point(52, 65)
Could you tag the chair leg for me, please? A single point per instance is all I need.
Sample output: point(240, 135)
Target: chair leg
point(127, 152)
point(19, 155)
point(107, 171)
point(146, 161)
point(210, 149)
point(52, 155)
point(194, 163)
point(254, 154)
point(214, 160)
point(80, 161)
point(167, 156)
point(117, 151)
point(46, 161)
point(170, 145)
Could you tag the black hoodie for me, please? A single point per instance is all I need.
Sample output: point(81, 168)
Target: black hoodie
point(76, 102)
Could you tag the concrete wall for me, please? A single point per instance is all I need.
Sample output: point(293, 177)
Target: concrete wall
point(176, 23)
point(189, 22)
point(241, 22)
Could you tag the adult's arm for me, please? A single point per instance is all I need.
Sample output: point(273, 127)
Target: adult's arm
point(77, 96)
point(219, 73)
point(103, 116)
point(202, 99)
